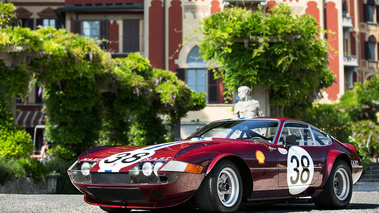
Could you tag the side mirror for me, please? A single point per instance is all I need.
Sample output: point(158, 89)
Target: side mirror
point(290, 139)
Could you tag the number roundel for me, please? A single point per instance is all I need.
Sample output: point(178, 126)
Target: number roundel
point(117, 161)
point(300, 170)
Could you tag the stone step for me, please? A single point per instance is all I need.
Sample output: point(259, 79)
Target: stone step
point(370, 172)
point(362, 179)
point(369, 177)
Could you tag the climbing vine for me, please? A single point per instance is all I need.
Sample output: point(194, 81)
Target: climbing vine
point(92, 99)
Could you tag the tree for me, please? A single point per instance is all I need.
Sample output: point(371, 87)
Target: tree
point(279, 50)
point(362, 102)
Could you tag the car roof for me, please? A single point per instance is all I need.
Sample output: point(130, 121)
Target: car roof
point(263, 118)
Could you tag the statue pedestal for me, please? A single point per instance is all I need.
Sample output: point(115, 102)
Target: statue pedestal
point(261, 95)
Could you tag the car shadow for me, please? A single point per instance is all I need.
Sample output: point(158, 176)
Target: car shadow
point(288, 207)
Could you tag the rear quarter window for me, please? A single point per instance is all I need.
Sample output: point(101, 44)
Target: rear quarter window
point(321, 138)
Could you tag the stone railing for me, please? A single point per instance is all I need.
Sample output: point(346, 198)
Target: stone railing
point(350, 60)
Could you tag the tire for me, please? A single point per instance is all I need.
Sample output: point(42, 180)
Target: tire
point(221, 189)
point(338, 189)
point(110, 209)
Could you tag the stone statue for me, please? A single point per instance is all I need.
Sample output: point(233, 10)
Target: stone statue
point(246, 107)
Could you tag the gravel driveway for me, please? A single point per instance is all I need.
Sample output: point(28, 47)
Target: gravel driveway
point(365, 199)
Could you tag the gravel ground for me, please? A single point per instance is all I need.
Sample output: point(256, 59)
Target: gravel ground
point(365, 199)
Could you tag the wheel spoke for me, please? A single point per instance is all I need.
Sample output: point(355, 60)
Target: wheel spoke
point(341, 184)
point(228, 190)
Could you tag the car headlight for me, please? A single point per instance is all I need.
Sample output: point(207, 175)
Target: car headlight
point(146, 172)
point(85, 168)
point(157, 166)
point(147, 169)
point(79, 172)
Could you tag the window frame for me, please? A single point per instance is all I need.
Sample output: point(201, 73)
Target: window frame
point(330, 138)
point(103, 29)
point(366, 14)
point(299, 124)
point(370, 47)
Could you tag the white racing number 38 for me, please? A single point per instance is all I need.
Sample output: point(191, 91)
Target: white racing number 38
point(300, 170)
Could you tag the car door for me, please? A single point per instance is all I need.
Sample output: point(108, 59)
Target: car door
point(300, 163)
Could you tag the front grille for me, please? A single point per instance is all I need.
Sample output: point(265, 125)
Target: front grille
point(118, 194)
point(110, 178)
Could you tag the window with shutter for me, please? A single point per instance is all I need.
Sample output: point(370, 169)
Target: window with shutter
point(95, 29)
point(198, 77)
point(370, 45)
point(212, 88)
point(28, 23)
point(181, 74)
point(46, 22)
point(370, 10)
point(91, 29)
point(59, 24)
point(131, 39)
point(103, 34)
point(77, 26)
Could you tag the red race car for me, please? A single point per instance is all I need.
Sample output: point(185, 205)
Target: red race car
point(222, 165)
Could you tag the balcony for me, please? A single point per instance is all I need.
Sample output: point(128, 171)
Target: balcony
point(246, 3)
point(350, 61)
point(346, 22)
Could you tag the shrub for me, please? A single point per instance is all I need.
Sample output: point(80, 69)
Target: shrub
point(15, 142)
point(365, 136)
point(329, 119)
point(10, 168)
point(34, 168)
point(58, 165)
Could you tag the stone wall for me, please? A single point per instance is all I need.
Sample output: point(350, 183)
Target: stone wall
point(30, 186)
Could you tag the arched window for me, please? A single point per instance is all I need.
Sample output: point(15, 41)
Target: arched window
point(370, 47)
point(198, 77)
point(369, 11)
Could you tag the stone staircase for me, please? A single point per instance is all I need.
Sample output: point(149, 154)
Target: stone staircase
point(372, 174)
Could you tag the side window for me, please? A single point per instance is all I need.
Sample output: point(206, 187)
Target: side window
point(301, 131)
point(321, 138)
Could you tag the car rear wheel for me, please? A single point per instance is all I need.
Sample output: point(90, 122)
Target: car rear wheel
point(337, 191)
point(110, 209)
point(221, 189)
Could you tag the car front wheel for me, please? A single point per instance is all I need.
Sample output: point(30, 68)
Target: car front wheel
point(337, 191)
point(221, 189)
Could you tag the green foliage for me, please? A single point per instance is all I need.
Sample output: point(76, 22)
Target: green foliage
point(18, 36)
point(147, 128)
point(362, 102)
point(57, 165)
point(34, 168)
point(284, 55)
point(14, 81)
point(88, 94)
point(7, 15)
point(328, 118)
point(366, 138)
point(10, 168)
point(76, 119)
point(14, 141)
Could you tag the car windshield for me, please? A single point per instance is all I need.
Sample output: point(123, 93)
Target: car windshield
point(257, 130)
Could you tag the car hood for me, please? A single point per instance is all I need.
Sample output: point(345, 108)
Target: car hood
point(123, 158)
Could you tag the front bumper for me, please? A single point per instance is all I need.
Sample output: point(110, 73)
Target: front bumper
point(116, 193)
